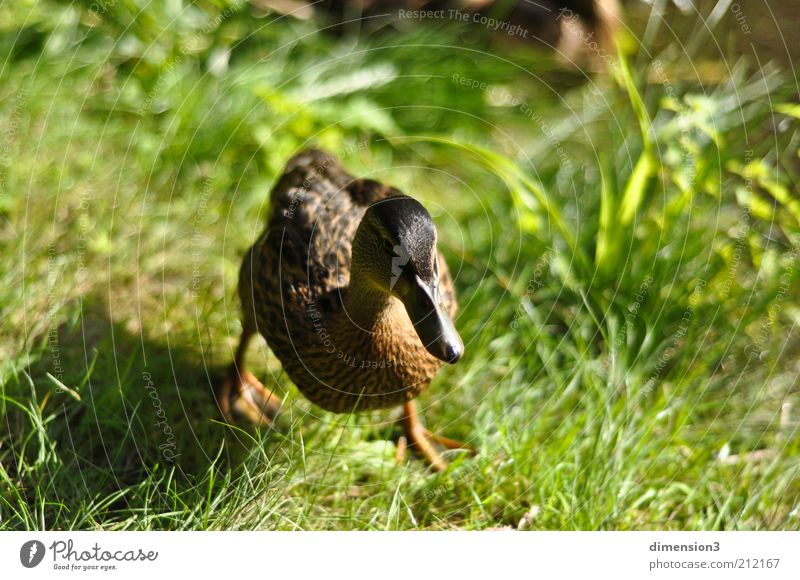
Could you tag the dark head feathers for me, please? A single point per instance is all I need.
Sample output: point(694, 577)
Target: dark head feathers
point(408, 224)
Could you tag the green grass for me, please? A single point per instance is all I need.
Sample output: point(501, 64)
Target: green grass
point(625, 250)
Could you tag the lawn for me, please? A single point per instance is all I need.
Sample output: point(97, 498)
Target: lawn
point(624, 235)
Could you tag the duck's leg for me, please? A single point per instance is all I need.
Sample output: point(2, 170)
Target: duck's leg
point(242, 395)
point(419, 438)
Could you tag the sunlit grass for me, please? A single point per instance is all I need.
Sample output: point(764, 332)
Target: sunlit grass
point(624, 250)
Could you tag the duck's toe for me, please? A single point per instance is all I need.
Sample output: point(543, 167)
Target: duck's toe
point(244, 398)
point(418, 438)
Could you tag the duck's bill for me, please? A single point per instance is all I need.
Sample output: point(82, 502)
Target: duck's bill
point(432, 323)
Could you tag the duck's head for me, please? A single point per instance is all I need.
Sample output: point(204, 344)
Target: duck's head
point(395, 251)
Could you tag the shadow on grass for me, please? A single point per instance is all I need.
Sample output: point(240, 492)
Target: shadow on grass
point(117, 426)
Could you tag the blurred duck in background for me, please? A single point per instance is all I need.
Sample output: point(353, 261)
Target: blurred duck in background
point(568, 26)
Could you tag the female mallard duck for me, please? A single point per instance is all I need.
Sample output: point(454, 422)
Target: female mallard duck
point(348, 289)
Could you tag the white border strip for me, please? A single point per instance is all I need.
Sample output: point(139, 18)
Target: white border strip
point(401, 555)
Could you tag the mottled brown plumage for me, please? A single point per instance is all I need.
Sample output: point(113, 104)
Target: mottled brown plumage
point(352, 296)
point(346, 348)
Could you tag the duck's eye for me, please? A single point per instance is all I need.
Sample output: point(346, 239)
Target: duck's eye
point(388, 246)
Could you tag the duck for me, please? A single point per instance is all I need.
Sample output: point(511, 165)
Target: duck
point(351, 294)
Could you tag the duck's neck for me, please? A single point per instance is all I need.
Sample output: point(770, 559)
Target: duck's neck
point(375, 327)
point(367, 306)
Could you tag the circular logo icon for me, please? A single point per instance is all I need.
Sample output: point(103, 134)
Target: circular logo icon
point(31, 553)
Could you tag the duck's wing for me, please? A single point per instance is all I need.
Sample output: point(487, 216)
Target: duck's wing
point(310, 177)
point(364, 192)
point(316, 174)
